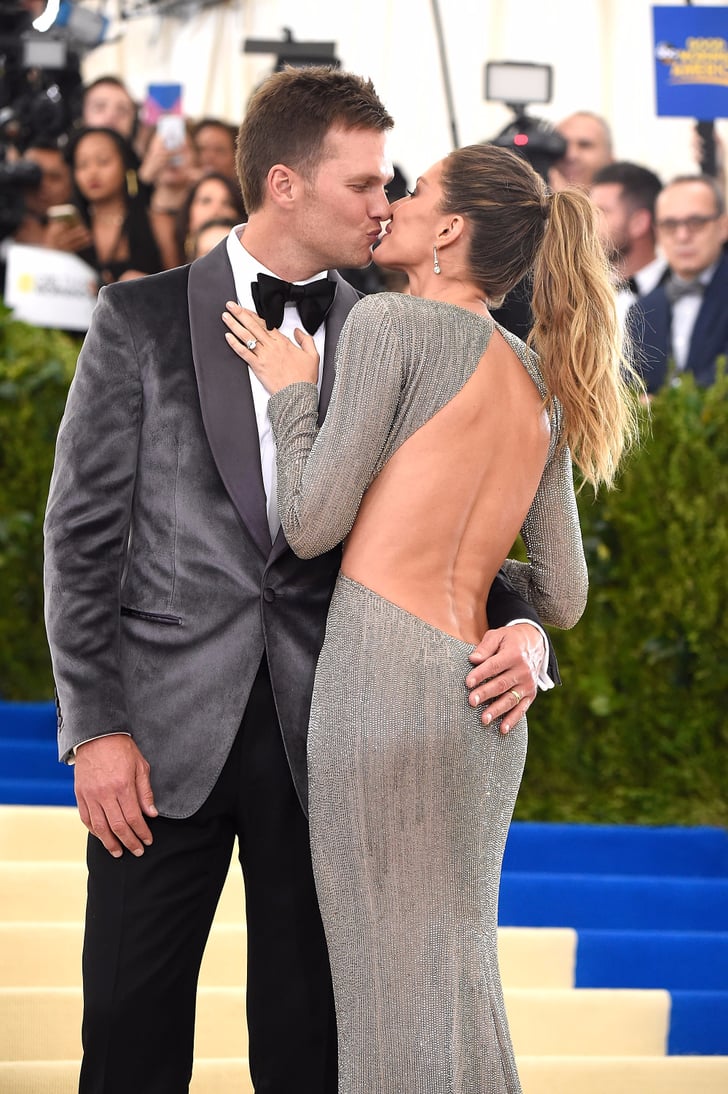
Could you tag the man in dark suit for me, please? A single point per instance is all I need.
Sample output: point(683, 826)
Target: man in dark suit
point(184, 632)
point(682, 325)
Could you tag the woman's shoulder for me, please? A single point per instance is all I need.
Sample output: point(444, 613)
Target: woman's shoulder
point(406, 310)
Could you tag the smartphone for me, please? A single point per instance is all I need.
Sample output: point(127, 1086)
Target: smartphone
point(66, 214)
point(171, 128)
point(161, 99)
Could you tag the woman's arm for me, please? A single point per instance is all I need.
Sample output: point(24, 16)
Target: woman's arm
point(323, 473)
point(555, 579)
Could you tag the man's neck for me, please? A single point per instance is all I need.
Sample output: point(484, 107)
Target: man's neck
point(278, 251)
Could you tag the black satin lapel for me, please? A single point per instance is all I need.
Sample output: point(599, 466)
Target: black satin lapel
point(345, 299)
point(226, 399)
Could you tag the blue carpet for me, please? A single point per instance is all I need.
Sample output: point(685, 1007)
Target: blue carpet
point(614, 902)
point(698, 1024)
point(616, 849)
point(676, 960)
point(28, 720)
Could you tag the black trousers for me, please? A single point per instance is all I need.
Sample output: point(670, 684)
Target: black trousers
point(148, 919)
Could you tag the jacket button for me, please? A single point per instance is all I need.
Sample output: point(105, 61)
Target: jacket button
point(269, 595)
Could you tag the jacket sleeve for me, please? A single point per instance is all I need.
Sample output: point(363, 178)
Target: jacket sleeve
point(86, 527)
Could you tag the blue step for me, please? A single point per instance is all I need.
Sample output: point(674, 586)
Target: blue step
point(38, 791)
point(31, 759)
point(612, 902)
point(616, 849)
point(698, 1024)
point(676, 960)
point(28, 720)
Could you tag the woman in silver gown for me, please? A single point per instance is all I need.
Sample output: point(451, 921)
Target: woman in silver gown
point(445, 437)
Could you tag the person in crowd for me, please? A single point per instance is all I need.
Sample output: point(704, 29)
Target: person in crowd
point(121, 234)
point(184, 632)
point(106, 103)
point(214, 142)
point(208, 235)
point(625, 195)
point(588, 148)
point(410, 807)
point(55, 188)
point(682, 325)
point(213, 196)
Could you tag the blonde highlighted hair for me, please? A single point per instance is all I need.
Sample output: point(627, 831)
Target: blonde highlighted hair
point(516, 227)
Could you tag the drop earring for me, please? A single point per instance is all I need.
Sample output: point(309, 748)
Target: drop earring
point(435, 261)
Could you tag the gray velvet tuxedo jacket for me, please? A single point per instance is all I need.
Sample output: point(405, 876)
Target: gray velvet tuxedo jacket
point(163, 589)
point(162, 586)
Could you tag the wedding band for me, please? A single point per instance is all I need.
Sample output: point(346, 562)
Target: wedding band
point(515, 695)
point(251, 344)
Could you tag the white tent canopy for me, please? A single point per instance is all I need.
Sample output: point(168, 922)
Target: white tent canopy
point(601, 52)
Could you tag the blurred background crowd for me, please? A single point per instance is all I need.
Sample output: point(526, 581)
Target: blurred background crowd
point(92, 174)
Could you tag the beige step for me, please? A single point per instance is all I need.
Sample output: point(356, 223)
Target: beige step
point(43, 1023)
point(624, 1075)
point(39, 892)
point(61, 1077)
point(49, 955)
point(555, 1075)
point(589, 1021)
point(42, 955)
point(41, 832)
point(537, 957)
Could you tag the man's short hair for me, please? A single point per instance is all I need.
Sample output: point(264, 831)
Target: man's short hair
point(289, 116)
point(708, 180)
point(640, 186)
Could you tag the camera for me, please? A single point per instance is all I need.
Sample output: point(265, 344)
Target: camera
point(15, 180)
point(518, 84)
point(40, 82)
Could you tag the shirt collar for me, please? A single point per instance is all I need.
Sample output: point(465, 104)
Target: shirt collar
point(246, 268)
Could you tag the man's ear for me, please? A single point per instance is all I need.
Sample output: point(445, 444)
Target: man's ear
point(640, 222)
point(282, 184)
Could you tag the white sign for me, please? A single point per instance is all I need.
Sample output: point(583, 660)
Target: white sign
point(49, 288)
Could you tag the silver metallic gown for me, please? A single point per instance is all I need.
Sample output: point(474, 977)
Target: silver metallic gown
point(410, 795)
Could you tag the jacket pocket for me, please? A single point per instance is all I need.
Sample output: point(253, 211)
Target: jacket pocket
point(152, 617)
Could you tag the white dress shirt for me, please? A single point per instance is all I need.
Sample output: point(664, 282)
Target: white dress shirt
point(245, 271)
point(684, 313)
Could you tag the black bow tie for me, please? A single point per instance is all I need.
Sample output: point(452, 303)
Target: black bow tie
point(677, 289)
point(313, 301)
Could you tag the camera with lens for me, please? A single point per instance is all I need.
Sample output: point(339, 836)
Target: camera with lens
point(40, 82)
point(518, 84)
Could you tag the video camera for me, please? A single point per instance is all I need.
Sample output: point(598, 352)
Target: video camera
point(40, 80)
point(518, 84)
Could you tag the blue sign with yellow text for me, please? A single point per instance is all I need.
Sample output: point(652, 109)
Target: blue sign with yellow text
point(691, 61)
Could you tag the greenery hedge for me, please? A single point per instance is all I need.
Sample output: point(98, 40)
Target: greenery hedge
point(637, 734)
point(36, 367)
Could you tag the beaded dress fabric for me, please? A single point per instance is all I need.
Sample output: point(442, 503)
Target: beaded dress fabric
point(410, 796)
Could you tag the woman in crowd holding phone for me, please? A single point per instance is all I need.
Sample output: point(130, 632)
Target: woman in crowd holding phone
point(121, 240)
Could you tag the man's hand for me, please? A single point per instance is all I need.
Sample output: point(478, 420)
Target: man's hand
point(506, 678)
point(114, 793)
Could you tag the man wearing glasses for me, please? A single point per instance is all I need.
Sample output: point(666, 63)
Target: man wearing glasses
point(682, 325)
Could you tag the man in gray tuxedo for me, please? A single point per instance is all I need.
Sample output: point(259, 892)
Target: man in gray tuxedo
point(184, 632)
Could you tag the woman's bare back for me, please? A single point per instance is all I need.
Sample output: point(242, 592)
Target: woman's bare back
point(436, 524)
point(435, 451)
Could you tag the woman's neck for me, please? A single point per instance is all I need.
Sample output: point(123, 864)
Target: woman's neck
point(108, 209)
point(433, 286)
